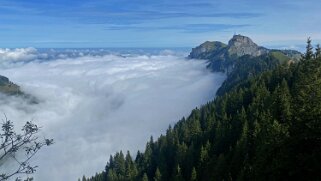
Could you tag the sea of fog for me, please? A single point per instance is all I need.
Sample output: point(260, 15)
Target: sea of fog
point(94, 102)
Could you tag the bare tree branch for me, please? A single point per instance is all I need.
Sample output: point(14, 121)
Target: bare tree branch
point(12, 143)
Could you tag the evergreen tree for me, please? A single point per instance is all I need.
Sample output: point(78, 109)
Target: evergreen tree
point(283, 102)
point(145, 178)
point(111, 175)
point(158, 176)
point(309, 50)
point(130, 168)
point(178, 174)
point(119, 162)
point(318, 52)
point(83, 178)
point(194, 174)
point(203, 154)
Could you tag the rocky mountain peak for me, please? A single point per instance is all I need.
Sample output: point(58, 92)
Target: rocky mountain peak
point(240, 40)
point(241, 45)
point(222, 57)
point(207, 48)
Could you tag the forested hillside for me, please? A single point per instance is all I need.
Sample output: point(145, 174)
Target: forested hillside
point(263, 125)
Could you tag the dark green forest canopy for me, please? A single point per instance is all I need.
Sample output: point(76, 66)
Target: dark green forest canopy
point(263, 125)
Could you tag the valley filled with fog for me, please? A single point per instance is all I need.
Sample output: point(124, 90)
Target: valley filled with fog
point(96, 102)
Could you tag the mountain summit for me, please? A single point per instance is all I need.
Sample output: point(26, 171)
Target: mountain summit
point(223, 56)
point(241, 45)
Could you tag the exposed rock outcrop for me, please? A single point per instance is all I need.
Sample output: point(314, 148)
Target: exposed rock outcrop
point(207, 49)
point(241, 45)
point(223, 56)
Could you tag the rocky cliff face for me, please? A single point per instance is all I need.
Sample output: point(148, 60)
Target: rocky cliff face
point(238, 46)
point(222, 57)
point(241, 45)
point(207, 49)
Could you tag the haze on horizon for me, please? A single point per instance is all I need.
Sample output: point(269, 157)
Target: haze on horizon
point(92, 104)
point(166, 23)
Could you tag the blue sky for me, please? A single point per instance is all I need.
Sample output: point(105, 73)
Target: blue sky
point(156, 23)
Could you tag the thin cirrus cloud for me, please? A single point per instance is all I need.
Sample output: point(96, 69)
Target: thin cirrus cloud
point(99, 21)
point(136, 17)
point(119, 12)
point(188, 28)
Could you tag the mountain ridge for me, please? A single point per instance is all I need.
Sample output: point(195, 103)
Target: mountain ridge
point(7, 87)
point(222, 56)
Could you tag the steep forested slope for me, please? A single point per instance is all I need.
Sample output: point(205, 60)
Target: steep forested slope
point(263, 125)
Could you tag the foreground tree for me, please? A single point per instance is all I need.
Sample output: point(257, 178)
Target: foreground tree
point(19, 148)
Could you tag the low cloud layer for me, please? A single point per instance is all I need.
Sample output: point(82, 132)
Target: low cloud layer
point(95, 105)
point(17, 55)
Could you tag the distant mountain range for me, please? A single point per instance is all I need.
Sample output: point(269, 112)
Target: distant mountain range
point(222, 56)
